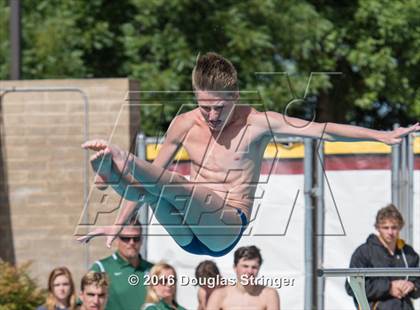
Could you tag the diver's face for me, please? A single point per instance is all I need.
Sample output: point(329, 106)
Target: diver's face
point(214, 109)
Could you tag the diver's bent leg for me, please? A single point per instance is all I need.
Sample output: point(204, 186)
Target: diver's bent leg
point(213, 222)
point(169, 217)
point(164, 212)
point(202, 209)
point(106, 175)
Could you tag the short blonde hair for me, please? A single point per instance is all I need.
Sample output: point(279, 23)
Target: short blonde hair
point(155, 272)
point(100, 279)
point(213, 72)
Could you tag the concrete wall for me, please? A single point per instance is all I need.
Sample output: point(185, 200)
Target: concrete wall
point(42, 168)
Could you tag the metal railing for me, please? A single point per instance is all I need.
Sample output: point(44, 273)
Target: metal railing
point(356, 278)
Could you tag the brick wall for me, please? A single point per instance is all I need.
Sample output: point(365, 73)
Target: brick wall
point(42, 168)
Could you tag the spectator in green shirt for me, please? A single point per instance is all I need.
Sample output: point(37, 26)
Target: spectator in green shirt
point(127, 271)
point(161, 289)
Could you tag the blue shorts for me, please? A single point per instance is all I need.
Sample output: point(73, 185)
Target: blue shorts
point(199, 248)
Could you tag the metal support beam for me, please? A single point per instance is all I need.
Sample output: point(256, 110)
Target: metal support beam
point(402, 170)
point(403, 201)
point(357, 284)
point(310, 295)
point(357, 278)
point(395, 174)
point(410, 188)
point(369, 272)
point(320, 220)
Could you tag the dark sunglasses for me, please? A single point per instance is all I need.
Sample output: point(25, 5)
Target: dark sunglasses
point(127, 239)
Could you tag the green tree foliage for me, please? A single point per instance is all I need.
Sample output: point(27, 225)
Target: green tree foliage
point(17, 290)
point(360, 57)
point(375, 45)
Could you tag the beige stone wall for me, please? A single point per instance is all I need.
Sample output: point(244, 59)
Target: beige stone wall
point(42, 168)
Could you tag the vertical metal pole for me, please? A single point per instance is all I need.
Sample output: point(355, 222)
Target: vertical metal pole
point(357, 284)
point(395, 173)
point(15, 37)
point(320, 222)
point(143, 212)
point(403, 206)
point(86, 187)
point(308, 185)
point(410, 187)
point(402, 183)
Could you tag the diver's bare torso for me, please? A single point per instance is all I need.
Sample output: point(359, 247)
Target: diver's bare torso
point(232, 297)
point(227, 161)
